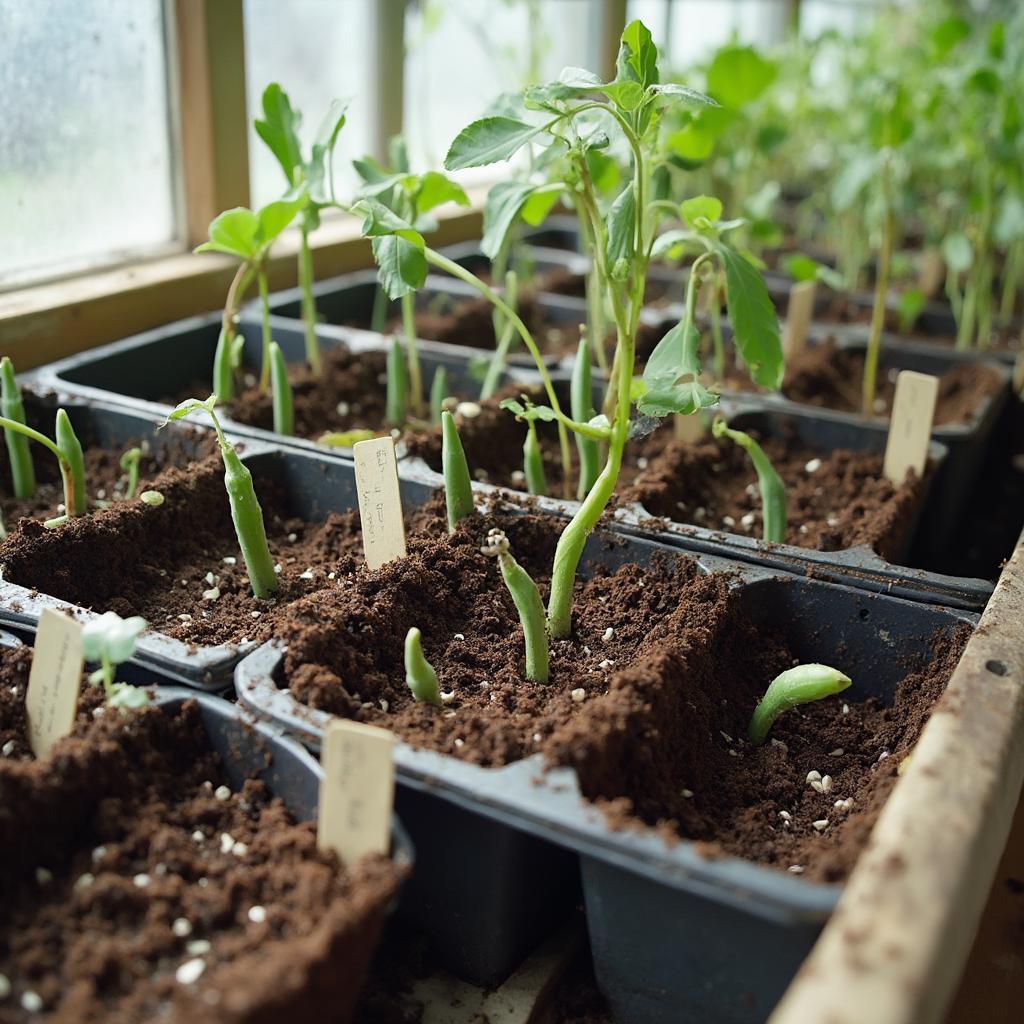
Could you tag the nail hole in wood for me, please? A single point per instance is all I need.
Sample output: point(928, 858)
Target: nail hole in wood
point(997, 668)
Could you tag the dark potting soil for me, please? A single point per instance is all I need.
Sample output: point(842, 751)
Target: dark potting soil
point(116, 873)
point(649, 699)
point(843, 500)
point(829, 377)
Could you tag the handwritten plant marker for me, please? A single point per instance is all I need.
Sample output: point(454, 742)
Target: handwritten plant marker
point(380, 502)
point(54, 681)
point(910, 428)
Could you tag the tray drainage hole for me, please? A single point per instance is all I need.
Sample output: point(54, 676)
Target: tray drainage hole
point(997, 668)
point(864, 614)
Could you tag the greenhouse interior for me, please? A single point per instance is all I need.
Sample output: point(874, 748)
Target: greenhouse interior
point(511, 511)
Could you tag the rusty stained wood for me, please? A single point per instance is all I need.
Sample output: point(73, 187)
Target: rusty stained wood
point(894, 950)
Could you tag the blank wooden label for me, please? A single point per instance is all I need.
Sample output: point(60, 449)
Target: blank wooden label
point(357, 790)
point(380, 502)
point(799, 313)
point(688, 429)
point(931, 273)
point(910, 428)
point(51, 702)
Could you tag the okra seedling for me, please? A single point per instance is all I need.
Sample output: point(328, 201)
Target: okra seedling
point(397, 400)
point(529, 605)
point(419, 673)
point(505, 333)
point(773, 490)
point(68, 452)
point(246, 513)
point(110, 640)
point(23, 474)
point(130, 464)
point(799, 685)
point(279, 129)
point(281, 392)
point(533, 462)
point(438, 393)
point(583, 410)
point(458, 490)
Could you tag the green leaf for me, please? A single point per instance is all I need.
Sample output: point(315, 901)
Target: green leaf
point(739, 75)
point(637, 60)
point(957, 252)
point(487, 141)
point(627, 95)
point(372, 171)
point(526, 410)
point(682, 94)
point(621, 228)
point(233, 232)
point(580, 79)
point(504, 203)
point(182, 409)
point(537, 207)
point(852, 179)
point(685, 398)
point(668, 241)
point(671, 378)
point(948, 32)
point(332, 123)
point(279, 129)
point(380, 221)
point(707, 207)
point(276, 216)
point(801, 267)
point(755, 326)
point(402, 266)
point(435, 189)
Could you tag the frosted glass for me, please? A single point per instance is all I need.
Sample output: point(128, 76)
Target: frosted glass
point(317, 50)
point(85, 140)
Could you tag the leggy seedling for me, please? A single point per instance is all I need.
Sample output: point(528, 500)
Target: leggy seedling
point(110, 640)
point(773, 490)
point(23, 474)
point(799, 685)
point(246, 513)
point(130, 464)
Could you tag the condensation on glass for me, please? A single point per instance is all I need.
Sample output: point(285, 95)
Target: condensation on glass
point(86, 153)
point(318, 50)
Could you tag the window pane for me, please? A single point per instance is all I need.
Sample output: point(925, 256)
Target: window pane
point(85, 140)
point(317, 50)
point(461, 54)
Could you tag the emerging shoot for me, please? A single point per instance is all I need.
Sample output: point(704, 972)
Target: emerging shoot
point(397, 403)
point(799, 685)
point(23, 474)
point(419, 673)
point(246, 513)
point(130, 464)
point(438, 393)
point(773, 491)
point(528, 603)
point(533, 463)
point(110, 640)
point(583, 411)
point(281, 393)
point(458, 489)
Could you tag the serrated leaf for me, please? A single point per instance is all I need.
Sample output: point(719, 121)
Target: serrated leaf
point(279, 129)
point(739, 75)
point(755, 326)
point(621, 227)
point(682, 94)
point(487, 141)
point(233, 232)
point(696, 207)
point(435, 189)
point(401, 265)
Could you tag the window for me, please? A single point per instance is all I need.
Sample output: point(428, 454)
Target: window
point(86, 159)
point(317, 50)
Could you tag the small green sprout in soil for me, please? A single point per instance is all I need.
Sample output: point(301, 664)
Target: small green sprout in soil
point(67, 449)
point(110, 640)
point(397, 395)
point(582, 408)
point(246, 513)
point(23, 474)
point(773, 490)
point(438, 393)
point(130, 464)
point(419, 673)
point(281, 391)
point(533, 463)
point(799, 685)
point(529, 605)
point(458, 488)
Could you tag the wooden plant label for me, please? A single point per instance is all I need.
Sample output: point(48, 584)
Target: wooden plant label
point(380, 503)
point(51, 702)
point(931, 273)
point(799, 313)
point(688, 429)
point(357, 791)
point(910, 428)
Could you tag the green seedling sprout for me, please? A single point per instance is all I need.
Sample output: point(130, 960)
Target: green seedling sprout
point(130, 464)
point(528, 604)
point(533, 462)
point(419, 673)
point(281, 392)
point(110, 640)
point(799, 685)
point(279, 129)
point(246, 513)
point(458, 490)
point(248, 236)
point(397, 402)
point(438, 393)
point(23, 474)
point(346, 438)
point(773, 491)
point(505, 332)
point(583, 410)
point(68, 452)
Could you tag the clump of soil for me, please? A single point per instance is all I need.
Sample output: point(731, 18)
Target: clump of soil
point(649, 699)
point(830, 377)
point(137, 886)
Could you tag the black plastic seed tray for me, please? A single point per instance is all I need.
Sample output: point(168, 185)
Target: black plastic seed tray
point(675, 935)
point(142, 372)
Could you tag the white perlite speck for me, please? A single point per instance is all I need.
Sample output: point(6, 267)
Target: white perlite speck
point(84, 880)
point(226, 842)
point(44, 876)
point(222, 793)
point(785, 815)
point(197, 836)
point(813, 466)
point(182, 927)
point(608, 634)
point(213, 594)
point(821, 824)
point(468, 410)
point(579, 695)
point(98, 854)
point(190, 971)
point(686, 794)
point(239, 849)
point(8, 748)
point(197, 947)
point(230, 560)
point(447, 697)
point(257, 915)
point(606, 664)
point(795, 869)
point(826, 784)
point(31, 1002)
point(140, 881)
